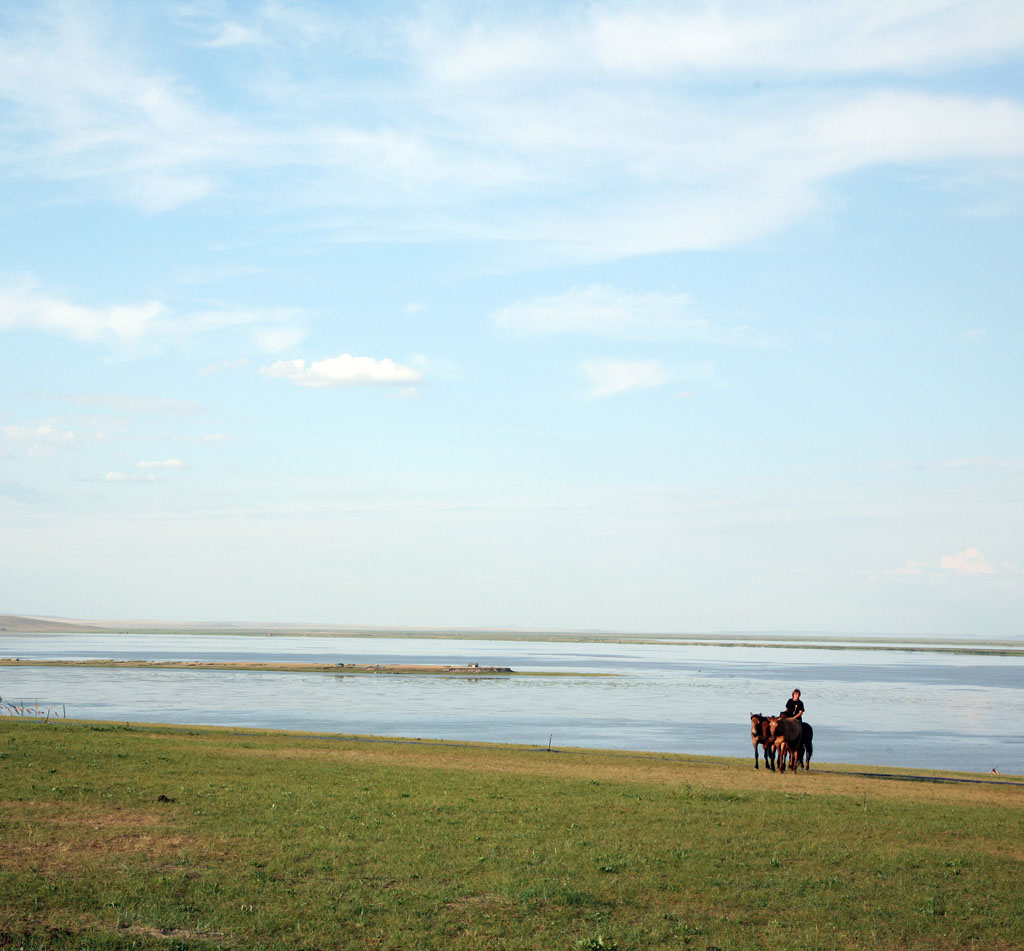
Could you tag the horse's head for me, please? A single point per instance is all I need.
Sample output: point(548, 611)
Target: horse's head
point(773, 725)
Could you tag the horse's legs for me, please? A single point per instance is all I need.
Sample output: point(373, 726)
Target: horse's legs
point(755, 754)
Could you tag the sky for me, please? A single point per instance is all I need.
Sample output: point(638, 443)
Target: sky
point(648, 317)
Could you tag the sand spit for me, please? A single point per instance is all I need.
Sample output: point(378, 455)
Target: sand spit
point(275, 666)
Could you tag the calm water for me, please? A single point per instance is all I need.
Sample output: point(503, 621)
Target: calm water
point(945, 711)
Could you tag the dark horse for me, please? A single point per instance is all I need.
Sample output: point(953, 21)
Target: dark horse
point(760, 735)
point(793, 740)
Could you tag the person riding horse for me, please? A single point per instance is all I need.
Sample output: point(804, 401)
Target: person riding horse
point(794, 707)
point(797, 738)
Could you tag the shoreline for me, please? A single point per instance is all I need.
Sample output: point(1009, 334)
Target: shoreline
point(994, 647)
point(867, 771)
point(458, 670)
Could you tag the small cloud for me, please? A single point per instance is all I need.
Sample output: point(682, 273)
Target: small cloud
point(128, 477)
point(973, 335)
point(604, 311)
point(343, 370)
point(214, 437)
point(598, 309)
point(610, 377)
point(968, 562)
point(414, 307)
point(234, 34)
point(276, 339)
point(223, 365)
point(910, 569)
point(42, 439)
point(160, 464)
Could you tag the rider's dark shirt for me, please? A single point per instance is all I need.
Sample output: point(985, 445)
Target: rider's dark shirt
point(794, 707)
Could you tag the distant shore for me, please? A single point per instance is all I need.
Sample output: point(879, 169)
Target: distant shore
point(471, 670)
point(808, 640)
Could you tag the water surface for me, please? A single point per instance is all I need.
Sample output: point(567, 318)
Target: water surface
point(944, 711)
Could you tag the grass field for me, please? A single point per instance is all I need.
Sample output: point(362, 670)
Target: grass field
point(172, 838)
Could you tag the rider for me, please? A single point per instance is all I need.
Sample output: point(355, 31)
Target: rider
point(794, 707)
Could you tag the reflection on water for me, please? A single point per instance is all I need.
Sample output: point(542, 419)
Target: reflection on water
point(903, 709)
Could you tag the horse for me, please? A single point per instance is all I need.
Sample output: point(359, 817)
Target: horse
point(792, 739)
point(803, 757)
point(760, 734)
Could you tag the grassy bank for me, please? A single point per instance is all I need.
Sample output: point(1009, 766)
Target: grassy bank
point(157, 837)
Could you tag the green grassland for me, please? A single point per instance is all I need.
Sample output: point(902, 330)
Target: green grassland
point(173, 838)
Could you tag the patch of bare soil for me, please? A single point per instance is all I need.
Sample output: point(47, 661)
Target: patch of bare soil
point(50, 836)
point(179, 934)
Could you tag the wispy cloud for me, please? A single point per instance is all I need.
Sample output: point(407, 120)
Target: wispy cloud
point(606, 311)
point(234, 34)
point(41, 439)
point(343, 370)
point(611, 377)
point(575, 135)
point(653, 39)
point(26, 307)
point(223, 365)
point(129, 477)
point(160, 464)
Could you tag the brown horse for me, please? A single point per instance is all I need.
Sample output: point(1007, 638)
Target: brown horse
point(785, 734)
point(760, 735)
point(792, 739)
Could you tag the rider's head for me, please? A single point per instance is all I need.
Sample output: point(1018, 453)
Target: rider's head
point(796, 694)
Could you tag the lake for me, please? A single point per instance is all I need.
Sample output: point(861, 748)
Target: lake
point(868, 706)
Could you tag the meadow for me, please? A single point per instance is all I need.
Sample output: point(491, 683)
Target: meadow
point(136, 836)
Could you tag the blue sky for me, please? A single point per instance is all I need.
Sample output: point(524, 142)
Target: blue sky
point(629, 316)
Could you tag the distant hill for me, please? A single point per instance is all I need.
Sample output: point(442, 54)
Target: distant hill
point(17, 623)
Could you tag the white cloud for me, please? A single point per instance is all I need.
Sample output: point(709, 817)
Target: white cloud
point(276, 339)
point(656, 39)
point(234, 34)
point(343, 370)
point(223, 365)
point(577, 135)
point(606, 311)
point(611, 377)
point(160, 464)
point(26, 307)
point(970, 561)
point(42, 439)
point(800, 38)
point(214, 437)
point(128, 477)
